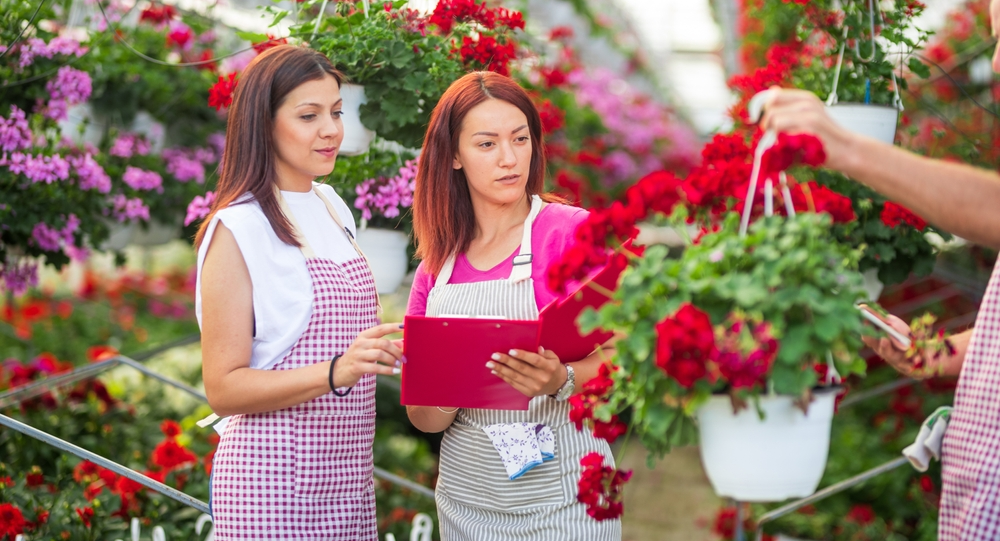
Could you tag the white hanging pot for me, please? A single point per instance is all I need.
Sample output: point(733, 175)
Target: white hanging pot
point(876, 121)
point(770, 460)
point(386, 253)
point(872, 284)
point(356, 136)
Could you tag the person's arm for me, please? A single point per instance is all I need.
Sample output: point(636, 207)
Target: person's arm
point(542, 373)
point(232, 387)
point(895, 354)
point(958, 198)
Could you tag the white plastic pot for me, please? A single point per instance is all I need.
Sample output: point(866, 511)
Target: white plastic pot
point(770, 460)
point(872, 284)
point(878, 121)
point(386, 253)
point(356, 136)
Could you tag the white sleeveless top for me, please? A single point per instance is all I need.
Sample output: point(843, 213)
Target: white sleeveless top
point(282, 288)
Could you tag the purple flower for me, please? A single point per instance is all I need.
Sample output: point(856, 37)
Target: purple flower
point(386, 196)
point(34, 47)
point(18, 276)
point(139, 179)
point(126, 209)
point(46, 238)
point(39, 168)
point(15, 132)
point(90, 173)
point(183, 166)
point(199, 208)
point(127, 144)
point(69, 87)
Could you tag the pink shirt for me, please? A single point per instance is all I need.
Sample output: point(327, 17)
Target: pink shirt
point(551, 235)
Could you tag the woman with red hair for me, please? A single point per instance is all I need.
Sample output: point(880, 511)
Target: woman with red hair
point(486, 234)
point(288, 313)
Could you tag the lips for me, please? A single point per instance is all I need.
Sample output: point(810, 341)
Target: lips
point(328, 152)
point(508, 178)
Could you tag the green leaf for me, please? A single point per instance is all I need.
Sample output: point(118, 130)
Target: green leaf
point(919, 68)
point(252, 37)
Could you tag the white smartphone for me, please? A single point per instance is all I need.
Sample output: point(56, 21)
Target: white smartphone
point(876, 319)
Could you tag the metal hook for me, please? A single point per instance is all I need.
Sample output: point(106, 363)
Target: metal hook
point(871, 24)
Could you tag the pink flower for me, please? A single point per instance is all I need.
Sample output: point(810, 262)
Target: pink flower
point(140, 179)
point(386, 196)
point(183, 166)
point(40, 168)
point(179, 34)
point(199, 208)
point(19, 275)
point(69, 87)
point(90, 173)
point(125, 209)
point(127, 144)
point(15, 132)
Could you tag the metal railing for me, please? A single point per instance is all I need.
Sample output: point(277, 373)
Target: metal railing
point(38, 388)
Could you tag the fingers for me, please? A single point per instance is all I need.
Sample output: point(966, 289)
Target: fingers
point(379, 331)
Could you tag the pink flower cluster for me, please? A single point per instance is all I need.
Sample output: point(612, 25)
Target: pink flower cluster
point(199, 208)
point(40, 168)
point(126, 209)
point(51, 239)
point(128, 144)
point(15, 132)
point(69, 87)
point(386, 196)
point(189, 164)
point(37, 48)
point(139, 179)
point(90, 173)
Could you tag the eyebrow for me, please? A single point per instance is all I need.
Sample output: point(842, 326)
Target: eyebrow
point(491, 134)
point(310, 104)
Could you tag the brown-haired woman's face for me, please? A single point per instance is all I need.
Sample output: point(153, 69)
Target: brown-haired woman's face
point(494, 151)
point(308, 131)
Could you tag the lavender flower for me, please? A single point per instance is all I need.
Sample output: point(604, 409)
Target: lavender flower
point(37, 48)
point(199, 208)
point(47, 238)
point(184, 166)
point(15, 132)
point(140, 179)
point(126, 209)
point(19, 275)
point(90, 173)
point(69, 87)
point(38, 168)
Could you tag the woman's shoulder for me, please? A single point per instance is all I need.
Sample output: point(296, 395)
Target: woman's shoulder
point(244, 212)
point(562, 212)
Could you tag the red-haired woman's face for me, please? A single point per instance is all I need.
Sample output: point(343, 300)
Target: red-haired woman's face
point(494, 151)
point(307, 133)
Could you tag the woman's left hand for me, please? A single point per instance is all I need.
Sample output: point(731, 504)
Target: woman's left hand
point(534, 374)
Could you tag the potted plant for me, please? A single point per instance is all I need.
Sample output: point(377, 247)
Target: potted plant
point(383, 234)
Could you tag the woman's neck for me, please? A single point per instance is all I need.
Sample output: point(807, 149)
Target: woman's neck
point(495, 221)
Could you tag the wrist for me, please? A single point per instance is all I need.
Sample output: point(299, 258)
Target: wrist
point(568, 386)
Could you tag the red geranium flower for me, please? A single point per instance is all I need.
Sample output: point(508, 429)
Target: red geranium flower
point(170, 454)
point(745, 369)
point(35, 479)
point(101, 353)
point(85, 514)
point(11, 521)
point(685, 343)
point(158, 13)
point(221, 93)
point(271, 41)
point(170, 428)
point(894, 214)
point(553, 77)
point(862, 514)
point(600, 487)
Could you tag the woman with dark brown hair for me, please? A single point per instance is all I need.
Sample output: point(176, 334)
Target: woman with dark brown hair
point(486, 235)
point(288, 311)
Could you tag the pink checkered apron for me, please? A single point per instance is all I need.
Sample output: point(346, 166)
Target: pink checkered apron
point(970, 473)
point(305, 472)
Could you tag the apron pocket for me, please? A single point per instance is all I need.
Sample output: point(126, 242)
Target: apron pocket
point(472, 473)
point(333, 456)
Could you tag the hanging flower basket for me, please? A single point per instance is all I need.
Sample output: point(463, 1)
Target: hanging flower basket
point(772, 459)
point(356, 136)
point(877, 121)
point(386, 253)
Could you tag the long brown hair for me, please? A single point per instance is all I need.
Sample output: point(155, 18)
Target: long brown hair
point(248, 158)
point(443, 217)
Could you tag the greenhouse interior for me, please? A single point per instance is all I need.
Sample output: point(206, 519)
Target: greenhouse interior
point(761, 238)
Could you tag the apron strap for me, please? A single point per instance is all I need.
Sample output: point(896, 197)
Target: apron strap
point(522, 261)
point(306, 249)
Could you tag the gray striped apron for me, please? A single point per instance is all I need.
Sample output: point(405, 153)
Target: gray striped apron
point(476, 500)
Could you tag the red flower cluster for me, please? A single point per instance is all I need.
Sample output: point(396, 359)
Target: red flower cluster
point(861, 514)
point(594, 393)
point(600, 487)
point(814, 197)
point(449, 12)
point(553, 77)
point(685, 344)
point(221, 93)
point(271, 41)
point(894, 214)
point(158, 13)
point(488, 52)
point(180, 36)
point(553, 118)
point(656, 192)
point(746, 353)
point(12, 522)
point(85, 515)
point(791, 150)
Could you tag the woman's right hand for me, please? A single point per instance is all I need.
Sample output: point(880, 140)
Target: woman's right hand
point(370, 353)
point(895, 354)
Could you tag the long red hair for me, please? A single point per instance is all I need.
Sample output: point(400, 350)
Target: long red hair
point(248, 157)
point(443, 218)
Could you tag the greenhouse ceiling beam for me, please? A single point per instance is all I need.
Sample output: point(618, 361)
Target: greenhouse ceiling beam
point(63, 445)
